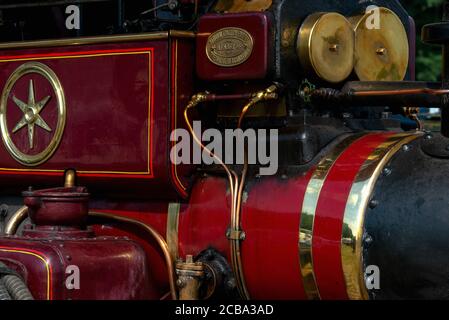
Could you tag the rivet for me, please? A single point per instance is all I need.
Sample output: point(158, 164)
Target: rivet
point(386, 172)
point(373, 204)
point(368, 240)
point(406, 148)
point(231, 283)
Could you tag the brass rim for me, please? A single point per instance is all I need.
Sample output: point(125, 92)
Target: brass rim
point(392, 69)
point(238, 59)
point(327, 64)
point(308, 212)
point(50, 76)
point(98, 40)
point(356, 206)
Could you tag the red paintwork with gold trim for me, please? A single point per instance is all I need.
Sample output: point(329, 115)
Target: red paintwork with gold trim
point(123, 100)
point(42, 264)
point(119, 117)
point(328, 224)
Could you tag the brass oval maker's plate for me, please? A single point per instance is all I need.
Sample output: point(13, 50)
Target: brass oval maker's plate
point(229, 47)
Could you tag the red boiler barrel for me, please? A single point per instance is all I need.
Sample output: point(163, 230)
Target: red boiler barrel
point(304, 230)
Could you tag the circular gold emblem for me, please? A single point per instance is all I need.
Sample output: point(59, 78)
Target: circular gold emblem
point(229, 47)
point(31, 116)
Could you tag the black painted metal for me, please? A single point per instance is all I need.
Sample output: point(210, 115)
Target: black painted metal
point(289, 15)
point(438, 33)
point(409, 226)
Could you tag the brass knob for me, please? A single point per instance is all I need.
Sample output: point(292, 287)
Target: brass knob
point(381, 51)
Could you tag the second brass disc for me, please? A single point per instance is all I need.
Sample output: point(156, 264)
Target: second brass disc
point(381, 51)
point(326, 46)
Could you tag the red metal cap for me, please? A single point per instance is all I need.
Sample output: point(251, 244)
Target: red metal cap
point(58, 206)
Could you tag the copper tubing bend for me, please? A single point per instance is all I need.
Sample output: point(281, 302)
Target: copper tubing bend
point(236, 186)
point(159, 239)
point(16, 219)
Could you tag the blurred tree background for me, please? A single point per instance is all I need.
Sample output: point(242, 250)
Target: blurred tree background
point(428, 58)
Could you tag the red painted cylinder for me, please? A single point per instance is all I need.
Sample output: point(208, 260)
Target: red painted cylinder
point(303, 232)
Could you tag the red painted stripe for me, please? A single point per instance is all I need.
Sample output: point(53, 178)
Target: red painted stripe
point(181, 189)
point(328, 223)
point(77, 53)
point(271, 219)
point(42, 255)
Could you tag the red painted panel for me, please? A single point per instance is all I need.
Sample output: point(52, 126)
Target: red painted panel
point(121, 108)
point(328, 223)
point(100, 87)
point(207, 218)
point(271, 219)
point(43, 265)
point(271, 223)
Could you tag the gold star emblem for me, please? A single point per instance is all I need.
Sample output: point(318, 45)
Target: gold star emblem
point(31, 114)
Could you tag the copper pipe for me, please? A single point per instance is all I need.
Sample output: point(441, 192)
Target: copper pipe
point(236, 187)
point(165, 296)
point(436, 92)
point(232, 176)
point(235, 224)
point(16, 219)
point(156, 236)
point(214, 97)
point(267, 94)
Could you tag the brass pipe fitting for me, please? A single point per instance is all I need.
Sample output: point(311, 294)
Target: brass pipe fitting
point(69, 178)
point(190, 278)
point(16, 219)
point(269, 93)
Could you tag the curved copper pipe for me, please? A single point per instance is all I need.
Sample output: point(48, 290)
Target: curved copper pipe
point(267, 94)
point(236, 186)
point(156, 236)
point(16, 219)
point(232, 176)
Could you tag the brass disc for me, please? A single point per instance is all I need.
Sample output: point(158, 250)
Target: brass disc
point(326, 46)
point(382, 51)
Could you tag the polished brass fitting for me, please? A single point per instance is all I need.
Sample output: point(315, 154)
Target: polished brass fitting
point(190, 278)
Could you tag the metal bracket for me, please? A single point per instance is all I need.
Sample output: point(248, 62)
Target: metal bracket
point(236, 235)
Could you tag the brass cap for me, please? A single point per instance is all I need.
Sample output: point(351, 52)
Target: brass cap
point(326, 46)
point(381, 54)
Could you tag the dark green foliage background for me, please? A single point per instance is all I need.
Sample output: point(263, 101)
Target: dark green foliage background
point(428, 58)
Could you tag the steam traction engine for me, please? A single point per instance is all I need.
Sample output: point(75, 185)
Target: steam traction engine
point(95, 205)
